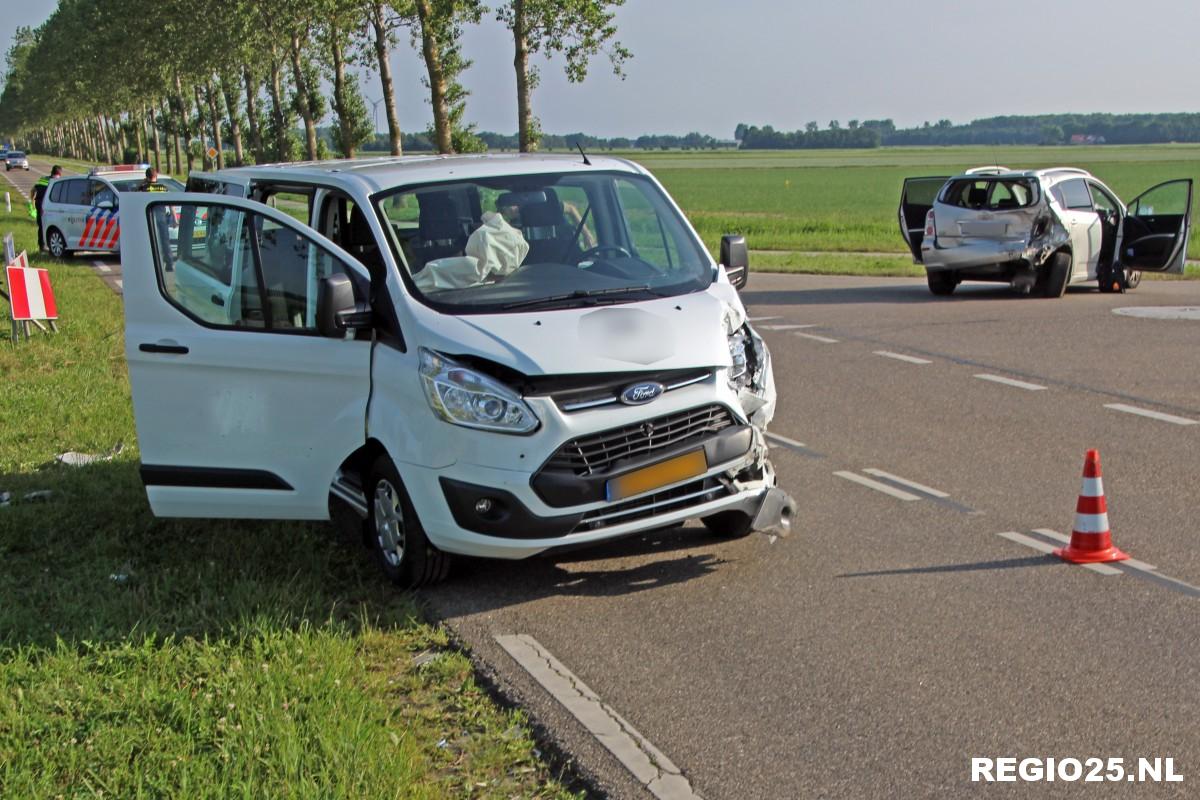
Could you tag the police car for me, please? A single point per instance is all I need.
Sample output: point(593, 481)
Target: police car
point(82, 212)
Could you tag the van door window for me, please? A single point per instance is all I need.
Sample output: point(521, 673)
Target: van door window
point(76, 192)
point(226, 267)
point(297, 205)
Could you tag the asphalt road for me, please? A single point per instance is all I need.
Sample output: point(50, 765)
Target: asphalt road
point(889, 641)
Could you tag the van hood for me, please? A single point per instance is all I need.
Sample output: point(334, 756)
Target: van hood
point(669, 333)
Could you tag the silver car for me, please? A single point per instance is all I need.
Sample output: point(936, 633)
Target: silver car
point(15, 159)
point(1041, 230)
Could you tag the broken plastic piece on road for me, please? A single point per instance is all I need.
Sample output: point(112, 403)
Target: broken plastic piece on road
point(36, 496)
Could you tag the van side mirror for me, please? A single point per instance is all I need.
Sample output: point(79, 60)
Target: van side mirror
point(105, 205)
point(735, 257)
point(337, 310)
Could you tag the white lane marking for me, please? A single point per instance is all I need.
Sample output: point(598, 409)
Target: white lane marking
point(759, 319)
point(1032, 387)
point(902, 357)
point(647, 763)
point(920, 487)
point(120, 283)
point(1145, 412)
point(877, 486)
point(1160, 312)
point(786, 440)
point(105, 268)
point(1044, 547)
point(787, 327)
point(816, 338)
point(1066, 539)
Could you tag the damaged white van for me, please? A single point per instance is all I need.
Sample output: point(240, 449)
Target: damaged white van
point(492, 356)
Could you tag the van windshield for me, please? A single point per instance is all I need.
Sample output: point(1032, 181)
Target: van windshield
point(547, 240)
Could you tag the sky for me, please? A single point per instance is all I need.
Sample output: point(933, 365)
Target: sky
point(702, 65)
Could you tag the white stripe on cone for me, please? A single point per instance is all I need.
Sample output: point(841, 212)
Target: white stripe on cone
point(1091, 523)
point(1092, 487)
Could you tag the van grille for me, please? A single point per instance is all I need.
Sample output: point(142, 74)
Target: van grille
point(597, 452)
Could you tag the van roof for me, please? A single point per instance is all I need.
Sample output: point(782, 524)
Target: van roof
point(385, 172)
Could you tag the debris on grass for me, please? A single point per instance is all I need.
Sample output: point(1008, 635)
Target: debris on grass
point(38, 496)
point(74, 459)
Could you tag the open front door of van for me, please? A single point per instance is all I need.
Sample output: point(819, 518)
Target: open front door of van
point(243, 408)
point(1154, 233)
point(916, 198)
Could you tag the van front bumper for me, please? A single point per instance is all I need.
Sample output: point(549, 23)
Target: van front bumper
point(493, 513)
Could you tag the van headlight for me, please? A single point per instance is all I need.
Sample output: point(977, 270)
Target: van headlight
point(462, 396)
point(739, 357)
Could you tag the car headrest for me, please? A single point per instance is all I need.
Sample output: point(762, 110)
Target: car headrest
point(977, 196)
point(541, 220)
point(438, 219)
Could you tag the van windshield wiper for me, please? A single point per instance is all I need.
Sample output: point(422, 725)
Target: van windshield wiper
point(578, 294)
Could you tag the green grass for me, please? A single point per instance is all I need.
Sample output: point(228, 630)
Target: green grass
point(846, 200)
point(142, 657)
point(835, 264)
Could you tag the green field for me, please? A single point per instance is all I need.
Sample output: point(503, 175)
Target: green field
point(846, 200)
point(151, 658)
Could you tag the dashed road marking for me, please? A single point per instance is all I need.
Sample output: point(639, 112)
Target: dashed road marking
point(1048, 549)
point(1032, 387)
point(759, 319)
point(792, 444)
point(654, 770)
point(786, 327)
point(902, 357)
point(905, 482)
point(1145, 412)
point(120, 283)
point(816, 338)
point(892, 491)
point(104, 268)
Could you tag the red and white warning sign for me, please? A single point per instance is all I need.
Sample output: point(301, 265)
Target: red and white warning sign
point(30, 293)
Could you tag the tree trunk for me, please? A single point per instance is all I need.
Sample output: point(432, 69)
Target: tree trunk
point(211, 96)
point(154, 131)
point(229, 90)
point(282, 143)
point(437, 78)
point(255, 129)
point(383, 58)
point(521, 64)
point(102, 138)
point(302, 94)
point(184, 129)
point(339, 92)
point(200, 127)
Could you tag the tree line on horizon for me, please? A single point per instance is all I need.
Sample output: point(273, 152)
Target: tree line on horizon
point(112, 80)
point(1042, 129)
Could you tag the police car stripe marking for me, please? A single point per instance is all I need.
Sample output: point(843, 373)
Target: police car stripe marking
point(91, 218)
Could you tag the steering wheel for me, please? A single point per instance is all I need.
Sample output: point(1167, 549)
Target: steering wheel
point(592, 252)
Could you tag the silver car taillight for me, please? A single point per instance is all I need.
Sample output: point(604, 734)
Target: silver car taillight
point(930, 225)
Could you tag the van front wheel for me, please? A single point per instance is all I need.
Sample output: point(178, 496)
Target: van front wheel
point(56, 243)
point(942, 283)
point(729, 524)
point(403, 551)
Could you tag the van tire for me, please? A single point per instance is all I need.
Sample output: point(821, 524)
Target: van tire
point(56, 243)
point(401, 547)
point(941, 283)
point(1058, 274)
point(729, 524)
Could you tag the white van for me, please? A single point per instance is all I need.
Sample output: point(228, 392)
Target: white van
point(492, 356)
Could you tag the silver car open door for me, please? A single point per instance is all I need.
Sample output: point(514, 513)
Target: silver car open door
point(1154, 233)
point(916, 198)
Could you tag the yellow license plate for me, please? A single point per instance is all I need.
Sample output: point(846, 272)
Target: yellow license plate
point(680, 468)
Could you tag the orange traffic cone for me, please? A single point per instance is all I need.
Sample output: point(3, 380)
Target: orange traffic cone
point(1091, 540)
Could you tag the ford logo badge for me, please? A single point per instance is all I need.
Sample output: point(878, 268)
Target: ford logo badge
point(640, 393)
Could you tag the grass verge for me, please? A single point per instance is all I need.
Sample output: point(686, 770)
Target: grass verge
point(142, 657)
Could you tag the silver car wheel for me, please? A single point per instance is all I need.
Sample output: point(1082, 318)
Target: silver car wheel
point(389, 522)
point(58, 245)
